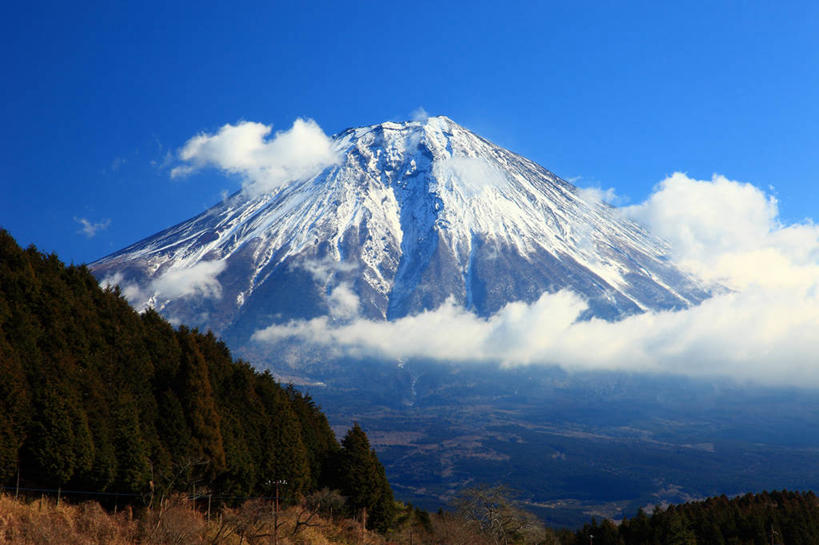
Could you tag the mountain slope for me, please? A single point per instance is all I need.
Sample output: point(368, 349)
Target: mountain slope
point(413, 214)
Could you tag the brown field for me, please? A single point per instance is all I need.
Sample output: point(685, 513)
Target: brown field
point(44, 522)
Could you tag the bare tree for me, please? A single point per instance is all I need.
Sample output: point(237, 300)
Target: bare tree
point(494, 512)
point(321, 502)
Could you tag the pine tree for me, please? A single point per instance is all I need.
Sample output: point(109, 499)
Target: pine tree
point(363, 480)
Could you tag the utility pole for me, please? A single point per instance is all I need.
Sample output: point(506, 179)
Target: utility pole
point(276, 518)
point(276, 511)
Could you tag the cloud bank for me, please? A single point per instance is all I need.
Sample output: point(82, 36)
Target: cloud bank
point(766, 329)
point(264, 163)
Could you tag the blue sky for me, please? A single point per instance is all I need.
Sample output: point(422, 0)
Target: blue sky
point(97, 99)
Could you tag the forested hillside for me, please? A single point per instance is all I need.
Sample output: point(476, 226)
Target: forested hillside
point(96, 397)
point(768, 517)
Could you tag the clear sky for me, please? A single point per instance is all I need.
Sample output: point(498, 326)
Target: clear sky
point(96, 99)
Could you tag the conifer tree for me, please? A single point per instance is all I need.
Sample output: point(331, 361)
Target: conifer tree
point(199, 404)
point(60, 445)
point(363, 480)
point(317, 436)
point(14, 411)
point(133, 466)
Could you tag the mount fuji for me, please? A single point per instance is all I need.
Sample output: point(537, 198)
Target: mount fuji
point(400, 219)
point(408, 216)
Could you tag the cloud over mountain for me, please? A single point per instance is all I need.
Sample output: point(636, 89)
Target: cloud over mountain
point(426, 240)
point(762, 329)
point(264, 163)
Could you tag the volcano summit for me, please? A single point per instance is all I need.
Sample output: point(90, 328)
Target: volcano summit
point(403, 217)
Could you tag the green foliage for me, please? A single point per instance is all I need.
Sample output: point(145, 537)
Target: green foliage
point(199, 404)
point(59, 445)
point(95, 396)
point(14, 407)
point(362, 479)
point(133, 465)
point(769, 517)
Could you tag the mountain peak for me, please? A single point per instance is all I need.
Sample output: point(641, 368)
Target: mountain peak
point(436, 121)
point(440, 126)
point(414, 214)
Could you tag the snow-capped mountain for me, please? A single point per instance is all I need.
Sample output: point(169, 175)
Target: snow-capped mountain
point(412, 214)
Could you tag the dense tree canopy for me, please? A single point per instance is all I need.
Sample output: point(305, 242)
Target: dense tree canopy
point(96, 396)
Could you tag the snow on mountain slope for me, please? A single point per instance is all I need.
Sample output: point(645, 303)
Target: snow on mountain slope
point(413, 214)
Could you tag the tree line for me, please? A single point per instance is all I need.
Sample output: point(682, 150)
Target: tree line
point(95, 396)
point(751, 519)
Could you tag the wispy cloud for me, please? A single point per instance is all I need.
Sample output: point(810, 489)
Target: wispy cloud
point(419, 114)
point(90, 228)
point(474, 174)
point(594, 194)
point(264, 163)
point(763, 330)
point(198, 280)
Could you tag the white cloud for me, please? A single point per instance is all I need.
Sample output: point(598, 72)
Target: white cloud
point(199, 279)
point(264, 163)
point(132, 292)
point(90, 228)
point(324, 270)
point(729, 232)
point(419, 114)
point(474, 174)
point(758, 335)
point(343, 303)
point(598, 194)
point(765, 330)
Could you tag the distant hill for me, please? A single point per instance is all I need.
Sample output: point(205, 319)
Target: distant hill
point(97, 397)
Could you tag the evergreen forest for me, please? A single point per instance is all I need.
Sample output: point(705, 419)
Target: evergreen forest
point(752, 519)
point(97, 397)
